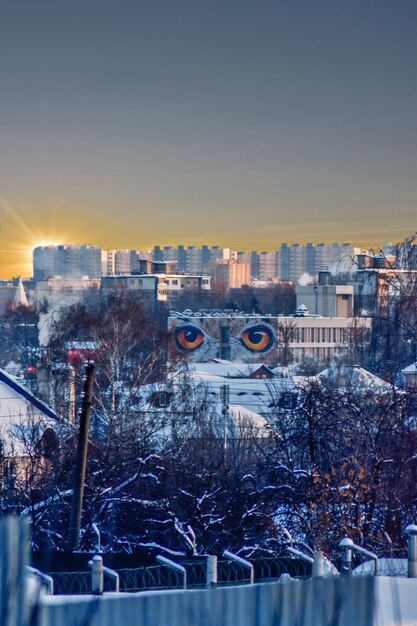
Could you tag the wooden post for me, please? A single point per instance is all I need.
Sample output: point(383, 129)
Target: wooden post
point(81, 460)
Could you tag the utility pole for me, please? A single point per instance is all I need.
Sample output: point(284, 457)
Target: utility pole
point(71, 393)
point(81, 460)
point(225, 395)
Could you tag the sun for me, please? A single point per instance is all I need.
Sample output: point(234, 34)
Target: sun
point(43, 243)
point(20, 233)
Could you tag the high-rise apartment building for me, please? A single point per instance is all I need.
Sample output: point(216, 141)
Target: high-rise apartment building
point(229, 274)
point(267, 266)
point(69, 262)
point(121, 262)
point(296, 260)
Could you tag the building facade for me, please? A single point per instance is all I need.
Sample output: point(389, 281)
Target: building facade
point(69, 262)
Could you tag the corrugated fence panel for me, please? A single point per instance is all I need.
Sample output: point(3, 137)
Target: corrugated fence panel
point(325, 602)
point(14, 556)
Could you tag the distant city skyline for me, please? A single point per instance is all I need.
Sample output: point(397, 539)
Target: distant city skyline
point(23, 258)
point(240, 124)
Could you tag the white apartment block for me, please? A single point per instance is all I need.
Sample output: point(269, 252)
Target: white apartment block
point(267, 266)
point(121, 262)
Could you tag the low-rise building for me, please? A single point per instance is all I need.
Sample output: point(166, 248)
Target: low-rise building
point(158, 287)
point(252, 338)
point(72, 289)
point(327, 300)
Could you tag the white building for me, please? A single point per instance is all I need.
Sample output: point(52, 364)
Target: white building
point(267, 266)
point(160, 287)
point(121, 262)
point(326, 300)
point(22, 415)
point(69, 262)
point(251, 338)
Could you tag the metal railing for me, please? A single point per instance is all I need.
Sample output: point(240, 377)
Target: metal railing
point(147, 578)
point(243, 562)
point(174, 567)
point(347, 547)
point(274, 567)
point(229, 572)
point(71, 583)
point(46, 581)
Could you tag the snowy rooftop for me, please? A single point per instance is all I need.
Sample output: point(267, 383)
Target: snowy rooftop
point(354, 378)
point(226, 369)
point(411, 369)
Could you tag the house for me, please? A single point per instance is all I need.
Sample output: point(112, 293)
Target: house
point(24, 420)
point(232, 400)
point(410, 377)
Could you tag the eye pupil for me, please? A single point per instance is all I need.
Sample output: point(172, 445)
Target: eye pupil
point(255, 336)
point(188, 337)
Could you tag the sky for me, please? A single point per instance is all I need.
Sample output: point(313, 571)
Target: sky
point(240, 123)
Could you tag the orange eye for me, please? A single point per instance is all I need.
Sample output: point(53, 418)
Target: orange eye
point(188, 337)
point(258, 338)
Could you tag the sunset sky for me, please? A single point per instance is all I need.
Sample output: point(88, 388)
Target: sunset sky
point(243, 123)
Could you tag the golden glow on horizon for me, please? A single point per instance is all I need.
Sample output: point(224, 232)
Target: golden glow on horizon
point(19, 237)
point(57, 223)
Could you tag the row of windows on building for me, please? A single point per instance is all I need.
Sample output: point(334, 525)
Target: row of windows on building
point(320, 335)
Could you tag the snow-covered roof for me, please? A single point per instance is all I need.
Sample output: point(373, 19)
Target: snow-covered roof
point(250, 400)
point(354, 378)
point(226, 369)
point(247, 423)
point(411, 369)
point(386, 567)
point(19, 409)
point(256, 394)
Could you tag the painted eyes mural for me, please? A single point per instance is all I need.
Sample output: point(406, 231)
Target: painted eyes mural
point(258, 338)
point(189, 337)
point(248, 342)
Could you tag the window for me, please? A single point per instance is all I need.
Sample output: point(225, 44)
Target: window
point(287, 401)
point(162, 399)
point(175, 282)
